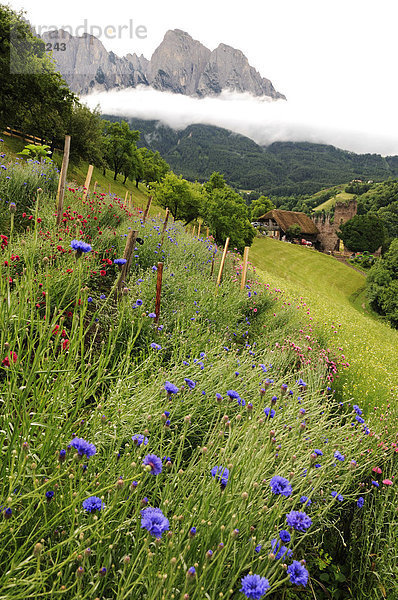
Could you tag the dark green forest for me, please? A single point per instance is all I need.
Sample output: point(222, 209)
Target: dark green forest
point(281, 169)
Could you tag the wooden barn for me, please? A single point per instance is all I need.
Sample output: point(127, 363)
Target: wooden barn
point(277, 223)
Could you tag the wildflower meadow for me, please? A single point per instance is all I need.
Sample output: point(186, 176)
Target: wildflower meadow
point(194, 451)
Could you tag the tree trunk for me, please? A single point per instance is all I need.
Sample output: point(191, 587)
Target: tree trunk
point(125, 179)
point(115, 175)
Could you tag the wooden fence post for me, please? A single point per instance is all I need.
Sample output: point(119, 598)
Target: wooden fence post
point(88, 181)
point(95, 186)
point(62, 180)
point(244, 270)
point(224, 254)
point(148, 206)
point(125, 197)
point(193, 232)
point(164, 225)
point(128, 255)
point(158, 291)
point(199, 229)
point(207, 232)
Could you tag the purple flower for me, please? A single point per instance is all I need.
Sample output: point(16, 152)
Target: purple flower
point(154, 462)
point(221, 474)
point(339, 456)
point(254, 587)
point(269, 412)
point(154, 521)
point(284, 535)
point(297, 573)
point(93, 503)
point(280, 485)
point(304, 500)
point(279, 550)
point(83, 447)
point(156, 346)
point(170, 388)
point(233, 395)
point(298, 520)
point(360, 502)
point(120, 261)
point(49, 495)
point(152, 315)
point(191, 384)
point(375, 483)
point(80, 246)
point(139, 439)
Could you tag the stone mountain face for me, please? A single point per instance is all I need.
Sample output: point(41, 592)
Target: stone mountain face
point(180, 64)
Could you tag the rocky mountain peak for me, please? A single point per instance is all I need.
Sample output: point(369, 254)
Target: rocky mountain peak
point(180, 64)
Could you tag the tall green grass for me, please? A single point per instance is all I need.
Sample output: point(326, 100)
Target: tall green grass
point(79, 361)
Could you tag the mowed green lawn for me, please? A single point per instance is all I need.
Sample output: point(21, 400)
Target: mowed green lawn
point(336, 300)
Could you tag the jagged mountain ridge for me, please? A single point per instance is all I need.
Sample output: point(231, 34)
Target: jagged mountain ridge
point(280, 169)
point(179, 64)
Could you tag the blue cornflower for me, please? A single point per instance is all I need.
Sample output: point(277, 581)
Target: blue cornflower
point(154, 521)
point(62, 455)
point(298, 520)
point(156, 346)
point(360, 420)
point(338, 496)
point(170, 388)
point(339, 456)
point(280, 485)
point(7, 513)
point(297, 573)
point(301, 383)
point(233, 395)
point(139, 439)
point(93, 503)
point(375, 483)
point(269, 412)
point(89, 299)
point(357, 410)
point(360, 502)
point(254, 587)
point(80, 246)
point(318, 452)
point(279, 550)
point(154, 462)
point(49, 495)
point(284, 535)
point(152, 315)
point(191, 384)
point(102, 297)
point(258, 548)
point(120, 261)
point(221, 474)
point(83, 447)
point(305, 500)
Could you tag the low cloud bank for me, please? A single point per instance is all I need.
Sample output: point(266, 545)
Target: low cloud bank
point(353, 127)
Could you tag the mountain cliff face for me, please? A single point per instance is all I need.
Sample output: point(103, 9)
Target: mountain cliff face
point(180, 64)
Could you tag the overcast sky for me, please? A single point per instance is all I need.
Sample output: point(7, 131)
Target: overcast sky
point(334, 61)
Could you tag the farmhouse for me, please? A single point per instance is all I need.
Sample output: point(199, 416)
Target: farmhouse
point(277, 222)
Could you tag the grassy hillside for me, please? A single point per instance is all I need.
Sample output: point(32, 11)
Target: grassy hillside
point(77, 174)
point(336, 299)
point(340, 197)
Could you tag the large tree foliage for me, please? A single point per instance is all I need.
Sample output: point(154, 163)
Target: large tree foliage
point(85, 128)
point(362, 232)
point(34, 97)
point(382, 285)
point(152, 166)
point(226, 214)
point(181, 197)
point(261, 206)
point(119, 145)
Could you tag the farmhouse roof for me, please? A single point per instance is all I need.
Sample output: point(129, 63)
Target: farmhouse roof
point(287, 218)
